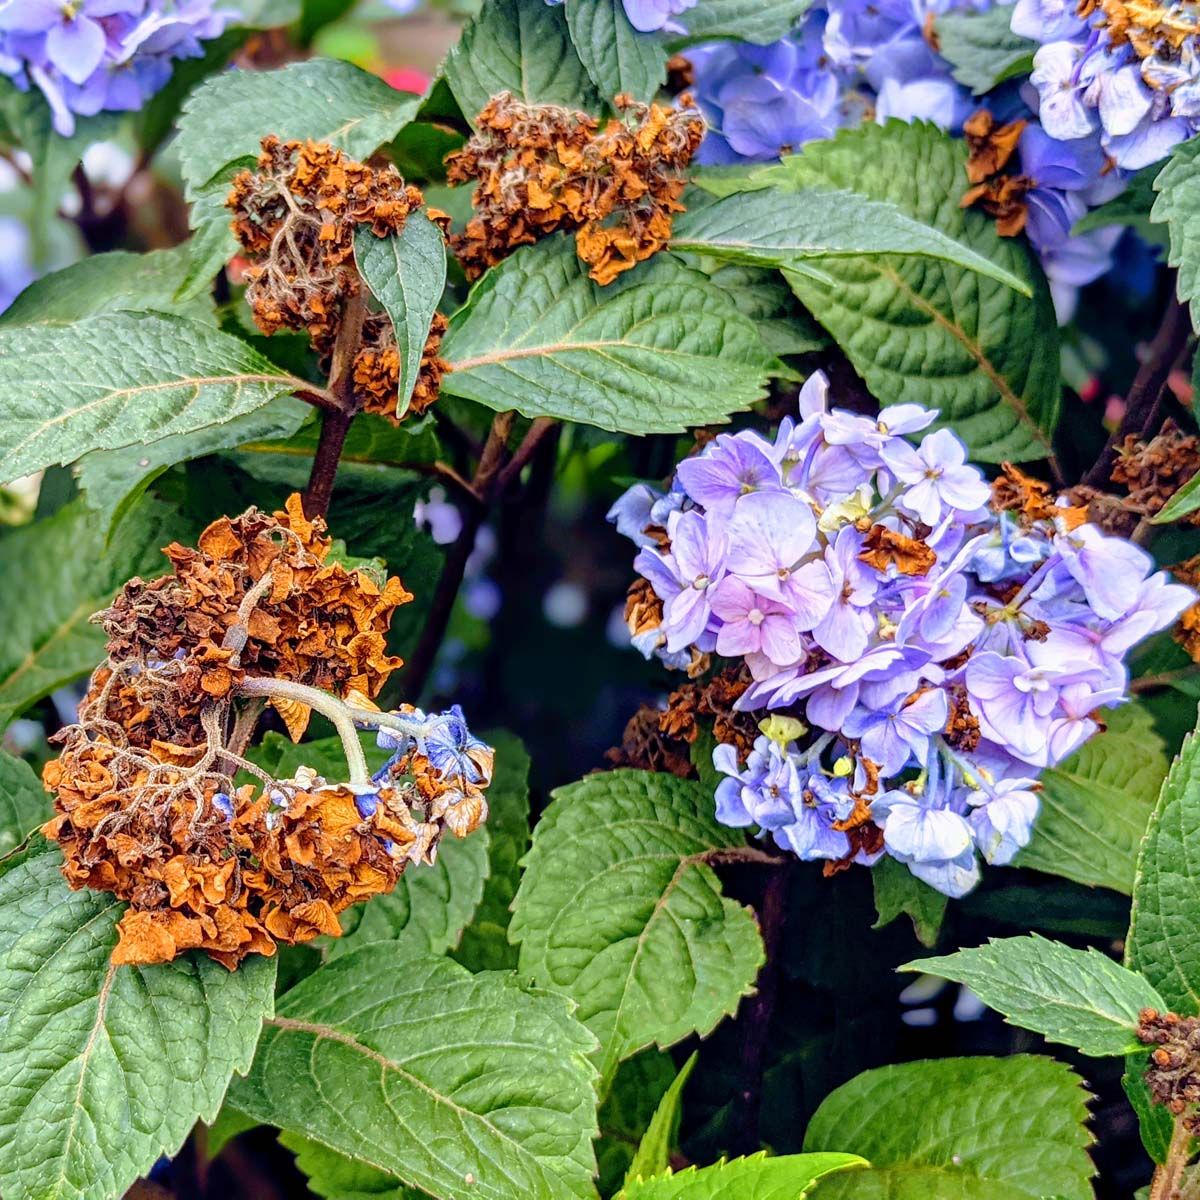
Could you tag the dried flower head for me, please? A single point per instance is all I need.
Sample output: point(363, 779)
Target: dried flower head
point(994, 187)
point(541, 168)
point(1174, 1072)
point(377, 369)
point(145, 801)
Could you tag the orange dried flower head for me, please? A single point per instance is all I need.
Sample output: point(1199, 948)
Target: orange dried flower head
point(542, 168)
point(145, 802)
point(377, 369)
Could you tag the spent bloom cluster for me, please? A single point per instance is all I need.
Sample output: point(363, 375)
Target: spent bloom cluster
point(91, 56)
point(146, 801)
point(921, 645)
point(1127, 71)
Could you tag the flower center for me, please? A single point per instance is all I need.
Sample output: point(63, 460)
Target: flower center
point(756, 616)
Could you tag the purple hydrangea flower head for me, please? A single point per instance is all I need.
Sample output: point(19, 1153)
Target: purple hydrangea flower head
point(648, 15)
point(934, 653)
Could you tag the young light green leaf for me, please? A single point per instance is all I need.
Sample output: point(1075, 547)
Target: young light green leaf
point(929, 332)
point(619, 909)
point(112, 480)
point(119, 378)
point(24, 804)
point(633, 1098)
point(520, 48)
point(465, 1086)
point(755, 1178)
point(1178, 206)
point(406, 274)
point(759, 21)
point(781, 228)
point(617, 57)
point(102, 1068)
point(971, 1113)
point(911, 1183)
point(653, 1155)
point(1095, 805)
point(53, 575)
point(981, 48)
point(336, 1177)
point(1162, 944)
point(1182, 504)
point(485, 944)
point(227, 116)
point(112, 282)
point(898, 890)
point(660, 349)
point(1078, 998)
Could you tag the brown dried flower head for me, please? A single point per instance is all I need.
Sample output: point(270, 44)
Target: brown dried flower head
point(542, 168)
point(295, 216)
point(1174, 1072)
point(995, 187)
point(145, 801)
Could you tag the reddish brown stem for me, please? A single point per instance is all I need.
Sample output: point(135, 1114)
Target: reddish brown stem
point(335, 424)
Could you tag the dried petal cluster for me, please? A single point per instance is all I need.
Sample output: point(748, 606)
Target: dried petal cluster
point(256, 596)
point(994, 186)
point(1174, 1072)
point(145, 800)
point(541, 168)
point(295, 216)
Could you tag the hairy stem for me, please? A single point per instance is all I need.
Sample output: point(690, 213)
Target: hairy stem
point(1165, 350)
point(335, 424)
point(1169, 1177)
point(328, 706)
point(484, 486)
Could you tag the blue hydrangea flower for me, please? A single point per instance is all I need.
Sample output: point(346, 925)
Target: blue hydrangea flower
point(933, 697)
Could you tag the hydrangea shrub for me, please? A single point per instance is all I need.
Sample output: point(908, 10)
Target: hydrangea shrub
point(346, 845)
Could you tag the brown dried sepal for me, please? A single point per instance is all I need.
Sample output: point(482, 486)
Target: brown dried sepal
point(377, 369)
point(1153, 471)
point(884, 547)
point(182, 640)
point(295, 216)
point(542, 168)
point(994, 187)
point(1174, 1072)
point(1031, 500)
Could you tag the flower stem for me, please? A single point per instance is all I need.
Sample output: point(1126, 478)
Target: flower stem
point(1168, 1178)
point(328, 706)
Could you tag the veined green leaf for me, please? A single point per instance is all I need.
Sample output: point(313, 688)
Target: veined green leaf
point(1178, 206)
point(619, 909)
point(1182, 504)
point(759, 21)
point(898, 890)
point(653, 1155)
point(336, 1177)
point(1010, 1123)
point(981, 48)
point(116, 379)
point(616, 56)
point(463, 1085)
point(660, 349)
point(24, 804)
point(102, 1068)
point(1078, 998)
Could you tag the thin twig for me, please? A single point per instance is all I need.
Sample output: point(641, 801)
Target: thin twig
point(484, 486)
point(1168, 345)
point(335, 424)
point(534, 435)
point(1169, 1176)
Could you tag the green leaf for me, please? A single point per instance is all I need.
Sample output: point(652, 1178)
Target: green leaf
point(898, 890)
point(1095, 805)
point(406, 274)
point(463, 1085)
point(226, 118)
point(113, 479)
point(616, 56)
point(765, 298)
point(116, 379)
point(777, 228)
point(1178, 206)
point(1078, 998)
point(1130, 207)
point(1182, 504)
point(102, 1068)
point(653, 1155)
point(759, 21)
point(1156, 1124)
point(53, 575)
point(912, 1183)
point(619, 909)
point(485, 944)
point(755, 1178)
point(927, 332)
point(1162, 944)
point(520, 48)
point(660, 349)
point(112, 282)
point(981, 48)
point(1015, 1122)
point(24, 804)
point(337, 1177)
